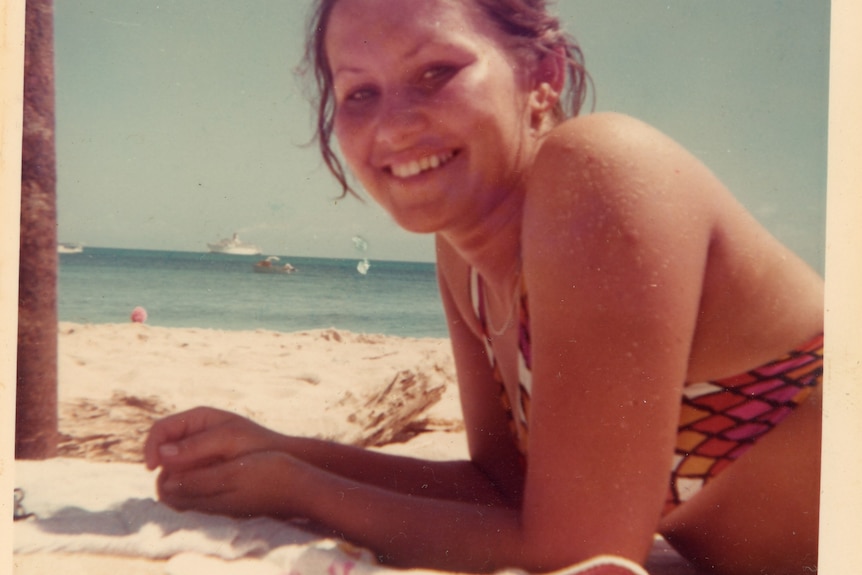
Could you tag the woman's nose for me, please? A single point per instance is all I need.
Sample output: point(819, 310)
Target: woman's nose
point(400, 121)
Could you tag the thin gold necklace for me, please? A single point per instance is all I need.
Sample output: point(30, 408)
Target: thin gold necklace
point(511, 317)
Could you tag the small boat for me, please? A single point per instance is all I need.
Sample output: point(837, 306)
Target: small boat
point(268, 266)
point(234, 246)
point(69, 248)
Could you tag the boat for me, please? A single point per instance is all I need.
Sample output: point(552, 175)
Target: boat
point(69, 248)
point(268, 266)
point(233, 246)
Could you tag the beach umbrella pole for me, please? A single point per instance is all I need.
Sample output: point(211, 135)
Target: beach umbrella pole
point(36, 425)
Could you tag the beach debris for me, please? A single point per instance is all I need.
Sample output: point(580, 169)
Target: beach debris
point(110, 430)
point(310, 378)
point(391, 414)
point(330, 334)
point(139, 315)
point(18, 512)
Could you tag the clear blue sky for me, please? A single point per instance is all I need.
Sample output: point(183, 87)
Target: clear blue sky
point(179, 122)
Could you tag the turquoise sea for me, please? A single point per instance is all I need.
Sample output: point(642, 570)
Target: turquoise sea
point(188, 289)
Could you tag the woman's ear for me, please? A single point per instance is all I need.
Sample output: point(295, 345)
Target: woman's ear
point(548, 81)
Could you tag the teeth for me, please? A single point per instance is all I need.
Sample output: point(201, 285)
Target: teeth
point(416, 167)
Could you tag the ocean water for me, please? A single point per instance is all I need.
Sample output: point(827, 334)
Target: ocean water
point(187, 289)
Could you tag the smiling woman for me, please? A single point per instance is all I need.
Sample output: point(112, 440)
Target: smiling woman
point(416, 70)
point(635, 353)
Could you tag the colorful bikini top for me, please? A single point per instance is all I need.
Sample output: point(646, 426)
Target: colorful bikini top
point(719, 420)
point(517, 407)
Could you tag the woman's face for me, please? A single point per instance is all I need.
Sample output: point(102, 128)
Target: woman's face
point(431, 111)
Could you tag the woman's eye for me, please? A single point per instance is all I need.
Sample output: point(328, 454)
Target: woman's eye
point(359, 95)
point(436, 76)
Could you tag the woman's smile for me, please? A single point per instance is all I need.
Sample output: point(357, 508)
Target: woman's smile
point(404, 170)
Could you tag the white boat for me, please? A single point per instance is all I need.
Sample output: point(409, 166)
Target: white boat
point(268, 266)
point(69, 248)
point(234, 246)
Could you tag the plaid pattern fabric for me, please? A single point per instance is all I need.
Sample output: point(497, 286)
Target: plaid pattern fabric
point(721, 420)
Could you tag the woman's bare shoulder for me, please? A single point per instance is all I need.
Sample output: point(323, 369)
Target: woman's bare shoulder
point(613, 193)
point(602, 132)
point(619, 216)
point(615, 170)
point(599, 146)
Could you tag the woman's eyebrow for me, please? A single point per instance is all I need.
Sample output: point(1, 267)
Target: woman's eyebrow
point(415, 51)
point(346, 70)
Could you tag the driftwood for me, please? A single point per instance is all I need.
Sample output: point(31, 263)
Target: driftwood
point(394, 414)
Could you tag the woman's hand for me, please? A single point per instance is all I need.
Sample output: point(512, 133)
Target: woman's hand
point(251, 485)
point(203, 437)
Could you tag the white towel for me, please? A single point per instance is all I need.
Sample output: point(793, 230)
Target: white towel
point(86, 507)
point(110, 508)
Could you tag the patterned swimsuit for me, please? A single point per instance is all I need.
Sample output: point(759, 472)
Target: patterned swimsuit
point(720, 420)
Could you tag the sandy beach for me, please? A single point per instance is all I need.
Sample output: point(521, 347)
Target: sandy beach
point(382, 392)
point(362, 389)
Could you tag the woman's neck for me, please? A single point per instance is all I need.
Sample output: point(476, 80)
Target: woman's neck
point(493, 246)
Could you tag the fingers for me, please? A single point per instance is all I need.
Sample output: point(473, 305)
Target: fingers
point(198, 482)
point(231, 488)
point(203, 436)
point(168, 438)
point(199, 488)
point(201, 449)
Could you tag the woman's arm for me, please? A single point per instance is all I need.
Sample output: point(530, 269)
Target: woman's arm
point(489, 434)
point(403, 530)
point(617, 233)
point(203, 437)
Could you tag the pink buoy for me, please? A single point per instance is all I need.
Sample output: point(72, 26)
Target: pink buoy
point(139, 315)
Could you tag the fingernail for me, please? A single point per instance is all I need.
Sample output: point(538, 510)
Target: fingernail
point(169, 450)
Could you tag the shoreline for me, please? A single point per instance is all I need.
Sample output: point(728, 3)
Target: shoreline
point(71, 323)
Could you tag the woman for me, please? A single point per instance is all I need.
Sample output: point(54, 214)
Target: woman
point(607, 300)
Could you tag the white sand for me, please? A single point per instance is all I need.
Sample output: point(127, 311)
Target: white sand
point(115, 379)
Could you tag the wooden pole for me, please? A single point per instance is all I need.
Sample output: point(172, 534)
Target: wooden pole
point(36, 428)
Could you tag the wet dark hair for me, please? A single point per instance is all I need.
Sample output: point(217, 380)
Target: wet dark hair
point(527, 23)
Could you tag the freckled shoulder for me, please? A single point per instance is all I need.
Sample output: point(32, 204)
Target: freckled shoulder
point(613, 196)
point(586, 149)
point(606, 165)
